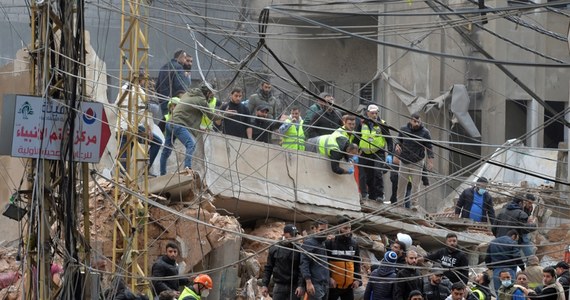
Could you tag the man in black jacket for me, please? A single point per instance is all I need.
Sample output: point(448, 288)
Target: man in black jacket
point(433, 289)
point(283, 263)
point(325, 121)
point(513, 217)
point(166, 266)
point(236, 120)
point(344, 262)
point(409, 277)
point(314, 268)
point(452, 259)
point(563, 276)
point(476, 203)
point(262, 126)
point(413, 142)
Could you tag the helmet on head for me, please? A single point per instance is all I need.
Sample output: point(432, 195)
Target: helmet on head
point(405, 238)
point(205, 280)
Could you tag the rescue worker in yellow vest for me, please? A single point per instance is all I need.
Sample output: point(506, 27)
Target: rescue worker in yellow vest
point(206, 123)
point(347, 129)
point(201, 287)
point(293, 135)
point(335, 148)
point(344, 263)
point(374, 139)
point(171, 105)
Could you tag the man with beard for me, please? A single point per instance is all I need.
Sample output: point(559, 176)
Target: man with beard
point(503, 254)
point(283, 263)
point(552, 289)
point(236, 120)
point(452, 259)
point(262, 126)
point(413, 142)
point(324, 97)
point(348, 127)
point(325, 121)
point(171, 79)
point(344, 261)
point(264, 96)
point(433, 289)
point(166, 266)
point(314, 267)
point(409, 277)
point(293, 135)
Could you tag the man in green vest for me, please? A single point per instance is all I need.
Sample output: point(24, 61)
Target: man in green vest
point(335, 148)
point(374, 139)
point(347, 129)
point(201, 287)
point(293, 135)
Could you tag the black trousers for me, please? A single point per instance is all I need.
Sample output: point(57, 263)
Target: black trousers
point(370, 170)
point(343, 294)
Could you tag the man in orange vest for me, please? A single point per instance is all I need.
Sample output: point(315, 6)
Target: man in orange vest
point(344, 262)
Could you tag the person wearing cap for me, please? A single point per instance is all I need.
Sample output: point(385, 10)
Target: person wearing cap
point(476, 203)
point(381, 281)
point(201, 286)
point(409, 278)
point(563, 276)
point(314, 268)
point(283, 263)
point(344, 261)
point(185, 124)
point(373, 140)
point(433, 288)
point(236, 121)
point(412, 147)
point(533, 271)
point(503, 253)
point(513, 217)
point(325, 121)
point(146, 130)
point(171, 79)
point(334, 148)
point(451, 258)
point(292, 132)
point(262, 126)
point(264, 96)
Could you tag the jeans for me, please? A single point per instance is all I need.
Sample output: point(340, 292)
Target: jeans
point(321, 291)
point(173, 132)
point(497, 281)
point(284, 292)
point(154, 146)
point(410, 173)
point(527, 246)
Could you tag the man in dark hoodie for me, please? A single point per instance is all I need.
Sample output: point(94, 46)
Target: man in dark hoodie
point(504, 253)
point(344, 262)
point(434, 289)
point(513, 217)
point(413, 143)
point(166, 266)
point(409, 277)
point(382, 280)
point(264, 96)
point(314, 267)
point(283, 263)
point(452, 259)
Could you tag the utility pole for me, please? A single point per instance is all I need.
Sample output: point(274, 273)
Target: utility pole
point(130, 236)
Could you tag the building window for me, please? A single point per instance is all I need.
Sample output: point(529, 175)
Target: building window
point(322, 86)
point(366, 95)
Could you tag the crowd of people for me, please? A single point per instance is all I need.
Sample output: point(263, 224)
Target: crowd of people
point(326, 264)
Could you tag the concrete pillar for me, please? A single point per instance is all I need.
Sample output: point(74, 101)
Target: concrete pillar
point(226, 280)
point(532, 122)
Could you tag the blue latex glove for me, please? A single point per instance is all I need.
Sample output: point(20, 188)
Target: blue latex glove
point(389, 159)
point(351, 170)
point(355, 159)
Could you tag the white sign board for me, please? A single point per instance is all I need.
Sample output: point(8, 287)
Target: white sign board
point(39, 129)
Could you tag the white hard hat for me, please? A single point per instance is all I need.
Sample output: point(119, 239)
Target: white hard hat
point(404, 238)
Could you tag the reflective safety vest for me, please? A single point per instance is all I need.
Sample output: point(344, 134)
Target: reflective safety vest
point(327, 143)
point(294, 137)
point(371, 140)
point(341, 131)
point(188, 292)
point(479, 294)
point(206, 123)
